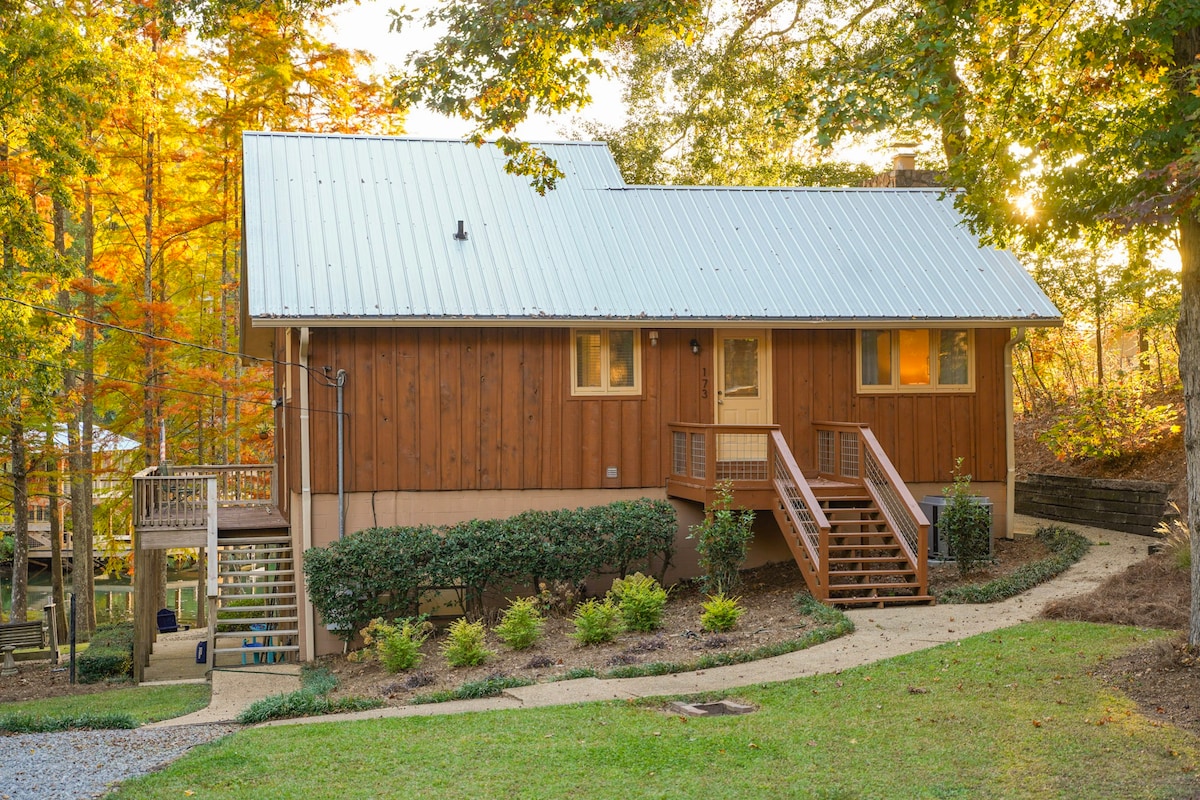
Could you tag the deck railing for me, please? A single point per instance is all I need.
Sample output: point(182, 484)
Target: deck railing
point(801, 507)
point(849, 451)
point(172, 497)
point(705, 455)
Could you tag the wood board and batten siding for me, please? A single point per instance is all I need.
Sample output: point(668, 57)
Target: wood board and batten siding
point(443, 409)
point(922, 432)
point(463, 408)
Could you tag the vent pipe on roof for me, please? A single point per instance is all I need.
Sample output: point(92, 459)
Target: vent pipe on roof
point(462, 232)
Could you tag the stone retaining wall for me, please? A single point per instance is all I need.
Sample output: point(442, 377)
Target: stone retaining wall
point(1120, 505)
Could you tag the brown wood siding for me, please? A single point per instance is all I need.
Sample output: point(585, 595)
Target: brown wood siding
point(491, 408)
point(923, 434)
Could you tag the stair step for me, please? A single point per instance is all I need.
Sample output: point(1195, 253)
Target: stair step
point(256, 540)
point(256, 620)
point(893, 600)
point(277, 648)
point(842, 573)
point(252, 634)
point(258, 560)
point(859, 587)
point(868, 560)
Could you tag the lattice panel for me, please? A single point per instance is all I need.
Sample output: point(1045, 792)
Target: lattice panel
point(825, 457)
point(849, 455)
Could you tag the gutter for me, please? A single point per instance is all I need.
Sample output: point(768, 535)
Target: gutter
point(1010, 483)
point(306, 539)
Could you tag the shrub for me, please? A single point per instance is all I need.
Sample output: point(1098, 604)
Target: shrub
point(1109, 422)
point(521, 624)
point(722, 540)
point(376, 572)
point(720, 613)
point(596, 621)
point(109, 654)
point(1177, 540)
point(398, 644)
point(641, 600)
point(966, 524)
point(464, 644)
point(491, 686)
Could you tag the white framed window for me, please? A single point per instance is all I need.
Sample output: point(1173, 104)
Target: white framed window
point(916, 360)
point(606, 361)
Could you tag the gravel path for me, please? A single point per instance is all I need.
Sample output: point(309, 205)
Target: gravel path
point(84, 764)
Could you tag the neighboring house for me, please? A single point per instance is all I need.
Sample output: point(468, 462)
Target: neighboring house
point(111, 456)
point(831, 351)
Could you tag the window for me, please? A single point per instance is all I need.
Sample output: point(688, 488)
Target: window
point(916, 360)
point(605, 361)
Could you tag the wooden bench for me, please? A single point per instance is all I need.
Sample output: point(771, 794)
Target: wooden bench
point(19, 634)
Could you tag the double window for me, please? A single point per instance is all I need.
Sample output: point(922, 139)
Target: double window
point(605, 361)
point(916, 360)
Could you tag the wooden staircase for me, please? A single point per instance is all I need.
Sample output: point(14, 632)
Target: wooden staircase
point(867, 564)
point(256, 613)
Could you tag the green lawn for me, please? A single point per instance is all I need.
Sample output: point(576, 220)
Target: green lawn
point(1011, 714)
point(142, 703)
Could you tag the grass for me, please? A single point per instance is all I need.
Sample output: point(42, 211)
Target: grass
point(1009, 714)
point(118, 708)
point(1066, 547)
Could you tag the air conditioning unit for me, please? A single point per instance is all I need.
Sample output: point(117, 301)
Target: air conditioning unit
point(939, 546)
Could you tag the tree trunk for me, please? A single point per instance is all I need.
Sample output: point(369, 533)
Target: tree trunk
point(56, 533)
point(1188, 334)
point(20, 478)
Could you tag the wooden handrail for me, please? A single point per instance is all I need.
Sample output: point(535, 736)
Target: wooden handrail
point(893, 477)
point(819, 556)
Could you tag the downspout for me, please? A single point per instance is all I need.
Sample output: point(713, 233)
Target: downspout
point(310, 633)
point(1010, 483)
point(341, 422)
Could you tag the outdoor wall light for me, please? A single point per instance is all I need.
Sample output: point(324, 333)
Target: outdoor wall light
point(695, 343)
point(653, 338)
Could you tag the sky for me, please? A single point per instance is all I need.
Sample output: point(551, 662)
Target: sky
point(365, 27)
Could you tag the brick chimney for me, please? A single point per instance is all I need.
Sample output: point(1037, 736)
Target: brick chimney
point(904, 173)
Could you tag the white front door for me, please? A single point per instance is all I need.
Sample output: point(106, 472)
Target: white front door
point(743, 377)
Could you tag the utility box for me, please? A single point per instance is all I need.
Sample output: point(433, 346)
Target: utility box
point(939, 546)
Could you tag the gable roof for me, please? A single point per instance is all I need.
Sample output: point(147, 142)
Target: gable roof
point(359, 230)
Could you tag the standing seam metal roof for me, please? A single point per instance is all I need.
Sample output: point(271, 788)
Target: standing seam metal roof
point(359, 229)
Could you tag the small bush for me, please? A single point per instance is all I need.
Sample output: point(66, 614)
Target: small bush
point(521, 624)
point(966, 524)
point(575, 673)
point(308, 701)
point(641, 601)
point(596, 621)
point(722, 540)
point(398, 645)
point(720, 613)
point(464, 644)
point(1177, 540)
point(109, 655)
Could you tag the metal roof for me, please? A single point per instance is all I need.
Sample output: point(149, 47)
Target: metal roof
point(359, 230)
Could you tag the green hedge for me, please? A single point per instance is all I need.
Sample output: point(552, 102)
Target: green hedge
point(109, 654)
point(1067, 547)
point(380, 572)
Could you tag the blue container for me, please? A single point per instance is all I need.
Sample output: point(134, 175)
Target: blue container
point(202, 651)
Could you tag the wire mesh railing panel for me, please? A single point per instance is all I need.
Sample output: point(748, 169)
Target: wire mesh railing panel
point(890, 499)
point(741, 456)
point(801, 513)
point(849, 454)
point(826, 462)
point(678, 453)
point(699, 455)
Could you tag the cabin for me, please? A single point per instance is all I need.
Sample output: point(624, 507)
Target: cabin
point(449, 344)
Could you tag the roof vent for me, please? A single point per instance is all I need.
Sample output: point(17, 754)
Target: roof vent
point(462, 232)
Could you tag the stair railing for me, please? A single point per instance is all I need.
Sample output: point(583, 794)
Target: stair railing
point(802, 510)
point(850, 451)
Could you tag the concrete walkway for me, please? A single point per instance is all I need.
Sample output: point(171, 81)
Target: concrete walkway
point(880, 634)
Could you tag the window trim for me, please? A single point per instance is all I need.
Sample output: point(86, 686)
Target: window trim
point(929, 388)
point(604, 390)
